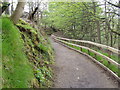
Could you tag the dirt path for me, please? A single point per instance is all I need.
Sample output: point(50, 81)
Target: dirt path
point(74, 70)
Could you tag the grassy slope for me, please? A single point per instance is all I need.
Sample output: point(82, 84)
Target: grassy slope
point(26, 59)
point(16, 69)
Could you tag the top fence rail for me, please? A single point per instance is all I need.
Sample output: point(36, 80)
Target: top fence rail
point(114, 50)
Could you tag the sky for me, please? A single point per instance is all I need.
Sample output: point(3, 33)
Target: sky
point(26, 8)
point(62, 0)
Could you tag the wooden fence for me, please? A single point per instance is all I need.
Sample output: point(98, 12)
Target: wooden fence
point(92, 47)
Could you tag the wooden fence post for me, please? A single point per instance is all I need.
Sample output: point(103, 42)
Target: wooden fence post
point(81, 48)
point(95, 56)
point(88, 52)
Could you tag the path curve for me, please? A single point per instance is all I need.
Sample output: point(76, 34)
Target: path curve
point(74, 70)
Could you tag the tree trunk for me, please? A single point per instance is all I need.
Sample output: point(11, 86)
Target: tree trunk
point(18, 12)
point(98, 32)
point(119, 29)
point(106, 31)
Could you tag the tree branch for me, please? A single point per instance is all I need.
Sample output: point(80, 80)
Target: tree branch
point(114, 13)
point(4, 7)
point(115, 32)
point(113, 4)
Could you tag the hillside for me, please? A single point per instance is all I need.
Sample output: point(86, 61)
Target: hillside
point(26, 56)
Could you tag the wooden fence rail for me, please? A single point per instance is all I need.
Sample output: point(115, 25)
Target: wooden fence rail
point(92, 43)
point(108, 59)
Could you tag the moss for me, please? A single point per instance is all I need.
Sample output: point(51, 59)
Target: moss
point(39, 52)
point(27, 27)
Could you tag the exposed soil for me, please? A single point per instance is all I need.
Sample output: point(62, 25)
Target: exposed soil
point(74, 70)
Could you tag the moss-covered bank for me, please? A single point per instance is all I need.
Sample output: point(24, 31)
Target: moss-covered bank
point(26, 56)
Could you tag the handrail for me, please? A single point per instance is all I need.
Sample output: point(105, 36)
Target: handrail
point(94, 58)
point(93, 43)
point(105, 57)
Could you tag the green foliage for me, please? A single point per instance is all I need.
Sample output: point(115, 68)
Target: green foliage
point(83, 20)
point(43, 75)
point(73, 18)
point(26, 26)
point(17, 72)
point(43, 47)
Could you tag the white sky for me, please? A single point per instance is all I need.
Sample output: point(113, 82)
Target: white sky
point(62, 0)
point(26, 8)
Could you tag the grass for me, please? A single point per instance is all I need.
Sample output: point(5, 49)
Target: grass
point(112, 67)
point(114, 57)
point(23, 65)
point(17, 72)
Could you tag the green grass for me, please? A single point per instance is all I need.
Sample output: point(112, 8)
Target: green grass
point(92, 54)
point(114, 57)
point(17, 72)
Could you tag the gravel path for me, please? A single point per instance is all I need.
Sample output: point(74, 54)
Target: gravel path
point(74, 70)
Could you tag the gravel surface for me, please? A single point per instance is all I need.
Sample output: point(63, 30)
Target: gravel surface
point(74, 70)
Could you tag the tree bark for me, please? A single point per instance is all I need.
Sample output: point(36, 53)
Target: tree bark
point(18, 12)
point(119, 29)
point(98, 32)
point(106, 30)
